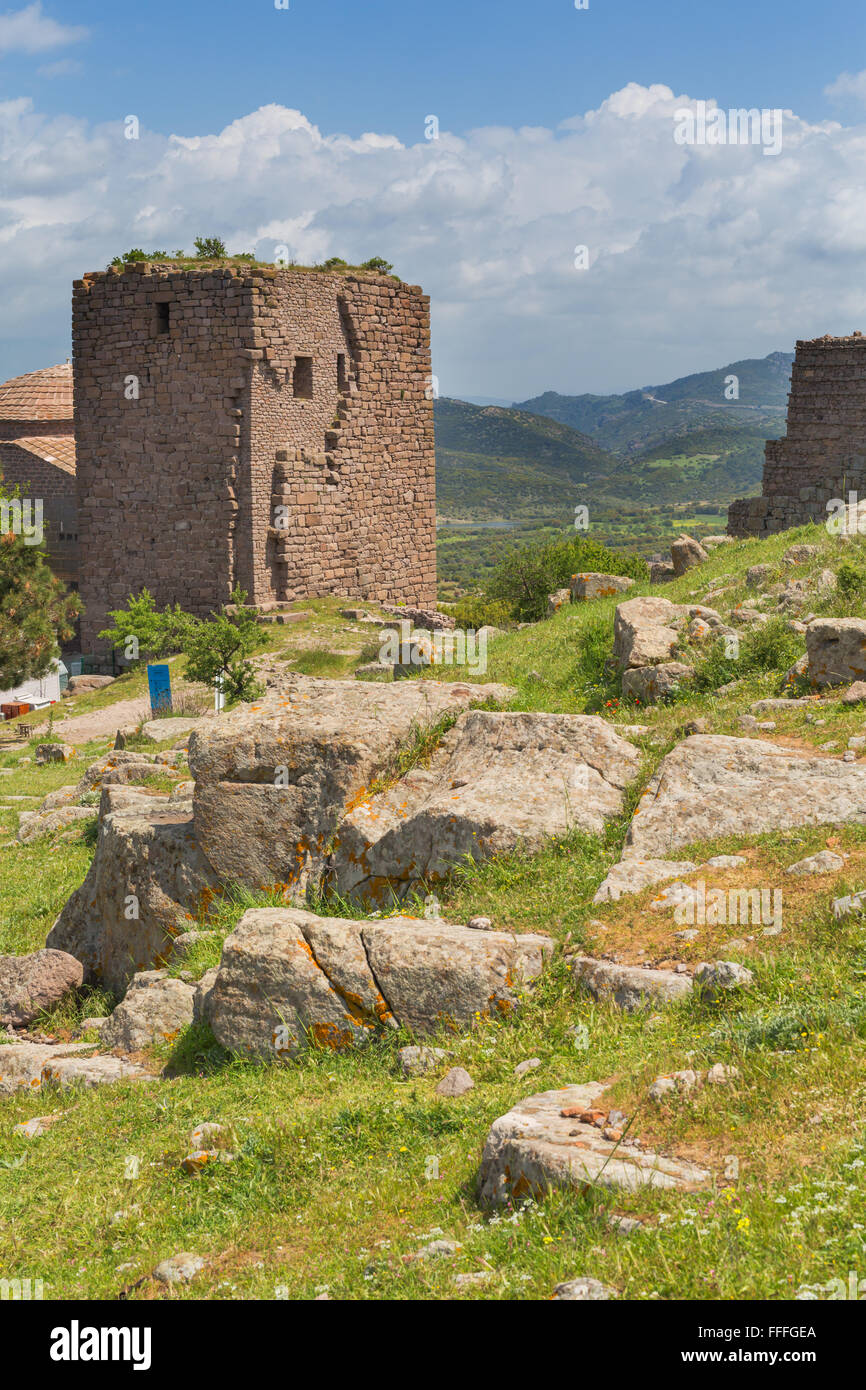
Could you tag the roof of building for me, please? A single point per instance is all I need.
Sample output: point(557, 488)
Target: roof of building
point(43, 395)
point(58, 449)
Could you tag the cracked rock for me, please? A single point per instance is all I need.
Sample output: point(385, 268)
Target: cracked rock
point(534, 1148)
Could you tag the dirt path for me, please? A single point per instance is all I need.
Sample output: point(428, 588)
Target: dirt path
point(101, 723)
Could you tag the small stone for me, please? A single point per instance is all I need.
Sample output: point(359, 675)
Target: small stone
point(661, 1087)
point(771, 931)
point(726, 861)
point(31, 1129)
point(766, 726)
point(438, 1249)
point(688, 935)
point(415, 1061)
point(529, 1065)
point(455, 1082)
point(480, 924)
point(196, 1162)
point(178, 1269)
point(468, 1281)
point(824, 863)
point(721, 977)
point(583, 1290)
point(208, 1135)
point(857, 741)
point(609, 1132)
point(720, 1075)
point(849, 756)
point(855, 694)
point(625, 1225)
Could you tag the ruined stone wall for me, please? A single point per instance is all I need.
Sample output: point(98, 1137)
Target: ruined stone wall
point(157, 435)
point(257, 389)
point(343, 478)
point(823, 454)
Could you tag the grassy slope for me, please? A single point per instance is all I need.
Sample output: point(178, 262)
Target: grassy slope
point(335, 1181)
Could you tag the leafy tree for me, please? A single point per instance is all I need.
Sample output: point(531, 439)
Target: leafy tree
point(379, 264)
point(217, 649)
point(210, 248)
point(332, 262)
point(36, 611)
point(142, 632)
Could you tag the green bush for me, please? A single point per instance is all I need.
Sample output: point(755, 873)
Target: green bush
point(850, 581)
point(525, 578)
point(474, 611)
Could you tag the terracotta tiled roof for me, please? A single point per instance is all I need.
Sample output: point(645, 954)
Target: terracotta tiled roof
point(58, 449)
point(45, 395)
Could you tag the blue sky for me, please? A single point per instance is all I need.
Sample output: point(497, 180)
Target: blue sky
point(555, 130)
point(356, 65)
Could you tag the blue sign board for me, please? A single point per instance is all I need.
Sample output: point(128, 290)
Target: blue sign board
point(159, 683)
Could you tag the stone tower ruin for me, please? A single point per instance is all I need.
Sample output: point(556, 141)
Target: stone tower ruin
point(823, 454)
point(268, 428)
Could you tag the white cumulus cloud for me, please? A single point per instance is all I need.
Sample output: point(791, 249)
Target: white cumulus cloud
point(698, 254)
point(32, 31)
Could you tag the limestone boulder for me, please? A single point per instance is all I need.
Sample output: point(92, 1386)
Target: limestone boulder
point(21, 1064)
point(630, 987)
point(651, 684)
point(713, 785)
point(432, 973)
point(557, 600)
point(661, 571)
point(594, 585)
point(54, 752)
point(288, 978)
point(542, 1144)
point(645, 631)
point(29, 984)
point(34, 825)
point(836, 648)
point(271, 998)
point(633, 875)
point(274, 779)
point(499, 781)
point(156, 1008)
point(65, 1073)
point(686, 552)
point(147, 877)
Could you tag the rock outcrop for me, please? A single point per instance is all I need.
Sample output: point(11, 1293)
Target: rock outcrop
point(836, 648)
point(274, 780)
point(543, 1143)
point(29, 984)
point(713, 785)
point(147, 875)
point(499, 781)
point(288, 978)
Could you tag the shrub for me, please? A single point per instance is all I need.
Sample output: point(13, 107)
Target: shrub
point(523, 580)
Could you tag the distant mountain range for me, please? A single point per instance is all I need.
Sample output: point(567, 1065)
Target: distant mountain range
point(677, 443)
point(636, 421)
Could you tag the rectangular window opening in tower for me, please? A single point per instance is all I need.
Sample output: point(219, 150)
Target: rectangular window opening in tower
point(302, 378)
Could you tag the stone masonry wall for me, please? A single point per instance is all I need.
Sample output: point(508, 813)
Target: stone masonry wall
point(823, 454)
point(206, 398)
